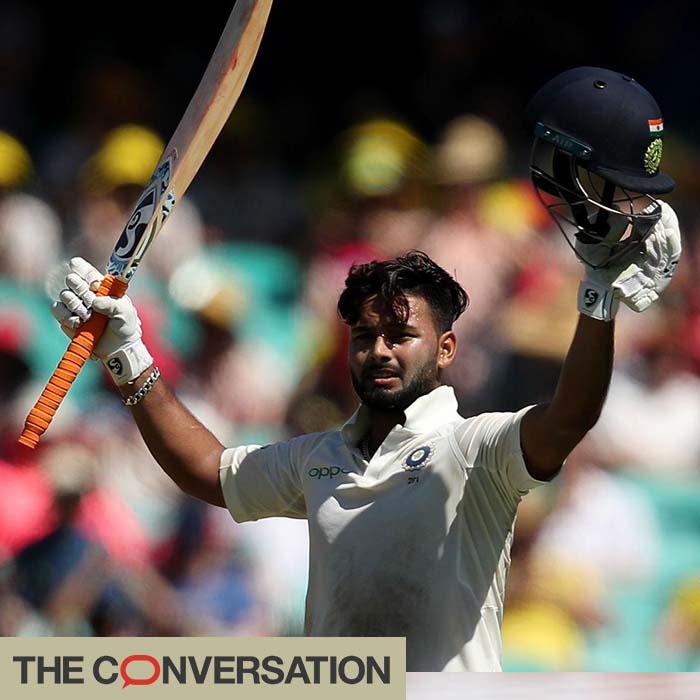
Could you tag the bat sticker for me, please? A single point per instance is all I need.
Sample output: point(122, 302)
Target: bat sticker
point(168, 205)
point(143, 224)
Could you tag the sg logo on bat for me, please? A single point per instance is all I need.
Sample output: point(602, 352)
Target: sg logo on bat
point(144, 223)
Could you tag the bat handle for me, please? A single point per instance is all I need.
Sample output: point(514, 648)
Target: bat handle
point(71, 363)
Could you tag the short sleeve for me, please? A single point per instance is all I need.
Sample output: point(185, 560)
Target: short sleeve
point(491, 441)
point(261, 482)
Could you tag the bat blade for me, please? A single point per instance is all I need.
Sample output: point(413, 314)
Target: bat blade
point(194, 136)
point(205, 116)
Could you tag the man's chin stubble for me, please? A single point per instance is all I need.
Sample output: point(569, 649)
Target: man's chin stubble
point(398, 400)
point(383, 400)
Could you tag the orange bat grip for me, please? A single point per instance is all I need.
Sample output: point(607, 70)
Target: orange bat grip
point(64, 375)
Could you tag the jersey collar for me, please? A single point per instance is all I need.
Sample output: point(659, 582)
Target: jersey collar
point(426, 413)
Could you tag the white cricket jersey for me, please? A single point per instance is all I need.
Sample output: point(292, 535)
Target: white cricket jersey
point(414, 543)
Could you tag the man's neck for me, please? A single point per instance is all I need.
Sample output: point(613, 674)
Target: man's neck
point(380, 422)
point(380, 425)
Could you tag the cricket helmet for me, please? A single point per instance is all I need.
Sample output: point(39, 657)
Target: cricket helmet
point(595, 161)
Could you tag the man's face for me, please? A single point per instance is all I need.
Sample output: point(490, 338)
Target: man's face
point(393, 363)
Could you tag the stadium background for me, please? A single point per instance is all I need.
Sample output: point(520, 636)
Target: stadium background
point(364, 130)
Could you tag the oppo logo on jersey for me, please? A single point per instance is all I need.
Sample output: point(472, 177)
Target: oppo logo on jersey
point(330, 472)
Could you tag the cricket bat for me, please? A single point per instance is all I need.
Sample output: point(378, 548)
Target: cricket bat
point(194, 136)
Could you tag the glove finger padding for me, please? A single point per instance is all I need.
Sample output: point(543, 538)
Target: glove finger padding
point(88, 272)
point(74, 304)
point(635, 288)
point(120, 347)
point(78, 295)
point(80, 287)
point(69, 322)
point(641, 284)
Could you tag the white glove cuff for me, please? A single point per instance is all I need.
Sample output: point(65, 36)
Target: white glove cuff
point(597, 300)
point(127, 363)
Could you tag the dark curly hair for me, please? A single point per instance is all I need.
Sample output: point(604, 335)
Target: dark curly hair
point(390, 280)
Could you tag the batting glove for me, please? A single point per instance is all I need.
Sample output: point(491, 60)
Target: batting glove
point(120, 348)
point(637, 284)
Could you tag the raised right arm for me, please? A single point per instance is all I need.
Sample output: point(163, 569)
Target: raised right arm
point(186, 450)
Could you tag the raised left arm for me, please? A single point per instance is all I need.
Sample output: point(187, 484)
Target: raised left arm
point(549, 432)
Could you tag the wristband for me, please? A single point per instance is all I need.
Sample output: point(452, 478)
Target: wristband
point(597, 300)
point(145, 388)
point(128, 363)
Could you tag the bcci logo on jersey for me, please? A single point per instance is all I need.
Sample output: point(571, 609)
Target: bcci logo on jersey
point(418, 458)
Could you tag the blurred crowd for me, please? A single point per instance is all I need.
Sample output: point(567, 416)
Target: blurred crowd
point(237, 299)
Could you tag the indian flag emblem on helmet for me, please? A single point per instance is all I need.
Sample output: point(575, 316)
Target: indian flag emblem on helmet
point(656, 126)
point(652, 158)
